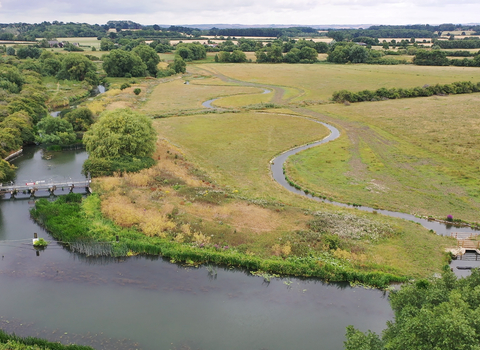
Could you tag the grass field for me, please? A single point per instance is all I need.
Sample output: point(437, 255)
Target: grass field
point(175, 96)
point(392, 154)
point(319, 81)
point(417, 156)
point(225, 159)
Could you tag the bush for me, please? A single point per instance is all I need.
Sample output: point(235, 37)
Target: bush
point(137, 91)
point(462, 87)
point(124, 86)
point(106, 167)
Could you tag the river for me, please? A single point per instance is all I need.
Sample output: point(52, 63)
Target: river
point(146, 303)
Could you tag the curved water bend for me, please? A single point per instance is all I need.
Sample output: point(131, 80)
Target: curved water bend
point(208, 103)
point(277, 172)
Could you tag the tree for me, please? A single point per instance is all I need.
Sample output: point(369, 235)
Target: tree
point(106, 44)
point(120, 133)
point(178, 65)
point(78, 67)
point(118, 63)
point(81, 118)
point(308, 53)
point(149, 56)
point(7, 171)
point(23, 123)
point(440, 313)
point(10, 51)
point(28, 51)
point(55, 131)
point(274, 54)
point(51, 66)
point(238, 56)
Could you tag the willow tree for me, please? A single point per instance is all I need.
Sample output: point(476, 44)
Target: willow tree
point(121, 140)
point(121, 132)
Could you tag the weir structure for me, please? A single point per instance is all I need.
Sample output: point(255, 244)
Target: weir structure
point(34, 187)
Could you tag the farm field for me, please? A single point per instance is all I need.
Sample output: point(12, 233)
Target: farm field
point(318, 81)
point(234, 151)
point(417, 156)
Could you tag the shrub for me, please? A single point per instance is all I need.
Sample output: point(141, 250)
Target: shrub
point(137, 91)
point(124, 86)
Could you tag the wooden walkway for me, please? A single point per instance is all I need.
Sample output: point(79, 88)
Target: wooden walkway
point(33, 187)
point(467, 241)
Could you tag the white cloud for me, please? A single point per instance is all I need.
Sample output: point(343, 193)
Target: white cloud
point(243, 11)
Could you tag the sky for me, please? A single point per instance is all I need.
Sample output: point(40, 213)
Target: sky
point(302, 12)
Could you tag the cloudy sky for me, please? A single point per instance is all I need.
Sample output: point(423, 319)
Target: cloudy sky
point(243, 11)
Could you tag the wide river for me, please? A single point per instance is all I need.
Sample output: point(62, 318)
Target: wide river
point(149, 303)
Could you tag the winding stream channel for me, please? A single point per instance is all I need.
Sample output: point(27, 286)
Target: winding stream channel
point(276, 166)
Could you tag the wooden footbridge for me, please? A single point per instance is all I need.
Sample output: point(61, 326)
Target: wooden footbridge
point(467, 242)
point(51, 186)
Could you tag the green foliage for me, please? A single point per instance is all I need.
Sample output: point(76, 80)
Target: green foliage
point(441, 313)
point(71, 221)
point(462, 87)
point(55, 131)
point(21, 122)
point(11, 79)
point(137, 91)
point(357, 340)
point(14, 342)
point(348, 52)
point(119, 133)
point(191, 51)
point(40, 243)
point(124, 86)
point(7, 171)
point(431, 58)
point(10, 141)
point(28, 51)
point(106, 167)
point(236, 56)
point(178, 65)
point(106, 44)
point(78, 67)
point(163, 73)
point(120, 63)
point(149, 56)
point(81, 118)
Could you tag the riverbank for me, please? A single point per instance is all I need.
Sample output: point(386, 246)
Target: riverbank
point(13, 342)
point(175, 210)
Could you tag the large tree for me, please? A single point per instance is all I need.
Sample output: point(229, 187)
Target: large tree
point(55, 131)
point(149, 56)
point(120, 63)
point(78, 67)
point(120, 133)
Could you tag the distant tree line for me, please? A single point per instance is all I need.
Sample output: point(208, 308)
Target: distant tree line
point(262, 32)
point(439, 58)
point(467, 43)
